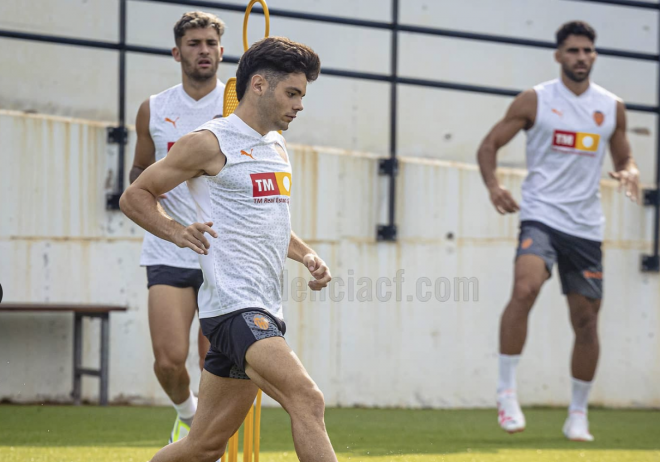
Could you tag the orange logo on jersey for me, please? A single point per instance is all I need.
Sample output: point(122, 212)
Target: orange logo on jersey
point(527, 243)
point(593, 274)
point(261, 322)
point(559, 113)
point(173, 122)
point(243, 153)
point(599, 118)
point(588, 142)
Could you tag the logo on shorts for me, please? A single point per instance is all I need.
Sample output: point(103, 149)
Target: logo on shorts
point(527, 243)
point(575, 142)
point(592, 274)
point(271, 184)
point(261, 322)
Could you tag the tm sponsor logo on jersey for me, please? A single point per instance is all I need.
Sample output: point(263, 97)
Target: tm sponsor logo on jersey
point(575, 142)
point(271, 184)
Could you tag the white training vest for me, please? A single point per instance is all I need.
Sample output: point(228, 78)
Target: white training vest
point(248, 203)
point(565, 152)
point(174, 114)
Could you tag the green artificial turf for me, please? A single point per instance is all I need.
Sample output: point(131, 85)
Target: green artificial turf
point(89, 433)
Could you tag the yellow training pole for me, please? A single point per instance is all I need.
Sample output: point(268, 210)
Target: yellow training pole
point(247, 436)
point(233, 448)
point(247, 15)
point(257, 426)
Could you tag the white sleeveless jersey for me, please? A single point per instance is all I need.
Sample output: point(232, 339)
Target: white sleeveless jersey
point(248, 203)
point(174, 114)
point(565, 152)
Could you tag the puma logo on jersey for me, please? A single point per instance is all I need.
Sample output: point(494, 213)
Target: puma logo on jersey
point(558, 112)
point(243, 153)
point(173, 122)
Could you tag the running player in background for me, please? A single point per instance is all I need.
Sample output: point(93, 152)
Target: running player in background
point(174, 275)
point(239, 174)
point(569, 122)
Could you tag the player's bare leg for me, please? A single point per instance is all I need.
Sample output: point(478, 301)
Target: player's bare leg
point(584, 319)
point(530, 274)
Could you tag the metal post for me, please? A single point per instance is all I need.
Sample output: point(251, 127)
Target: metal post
point(119, 134)
point(390, 166)
point(105, 356)
point(651, 263)
point(656, 224)
point(394, 107)
point(77, 358)
point(122, 95)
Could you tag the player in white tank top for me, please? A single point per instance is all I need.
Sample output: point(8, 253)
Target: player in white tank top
point(174, 275)
point(240, 176)
point(569, 122)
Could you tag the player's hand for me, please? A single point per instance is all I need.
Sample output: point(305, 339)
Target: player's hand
point(162, 196)
point(628, 181)
point(319, 270)
point(503, 200)
point(193, 237)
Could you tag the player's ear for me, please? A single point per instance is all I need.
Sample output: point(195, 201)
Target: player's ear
point(259, 84)
point(558, 56)
point(176, 53)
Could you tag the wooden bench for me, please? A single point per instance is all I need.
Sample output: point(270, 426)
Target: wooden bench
point(80, 311)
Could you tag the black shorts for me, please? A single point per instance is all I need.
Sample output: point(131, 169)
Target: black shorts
point(175, 277)
point(232, 334)
point(579, 260)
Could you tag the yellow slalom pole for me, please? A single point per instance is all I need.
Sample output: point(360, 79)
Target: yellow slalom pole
point(230, 99)
point(247, 436)
point(233, 448)
point(257, 426)
point(247, 15)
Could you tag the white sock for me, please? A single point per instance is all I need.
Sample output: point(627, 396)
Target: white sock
point(580, 395)
point(186, 410)
point(507, 379)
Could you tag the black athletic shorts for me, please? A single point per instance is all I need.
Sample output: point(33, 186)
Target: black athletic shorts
point(175, 277)
point(579, 260)
point(232, 334)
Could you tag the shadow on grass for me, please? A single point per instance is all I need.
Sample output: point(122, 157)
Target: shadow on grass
point(375, 432)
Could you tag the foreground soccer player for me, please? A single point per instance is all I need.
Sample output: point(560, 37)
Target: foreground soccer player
point(569, 122)
point(239, 175)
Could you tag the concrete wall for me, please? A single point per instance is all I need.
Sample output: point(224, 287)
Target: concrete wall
point(59, 244)
point(343, 113)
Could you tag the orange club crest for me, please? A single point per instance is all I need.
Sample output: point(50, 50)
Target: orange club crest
point(599, 118)
point(261, 322)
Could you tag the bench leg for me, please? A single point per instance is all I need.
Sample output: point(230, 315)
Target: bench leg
point(105, 353)
point(77, 358)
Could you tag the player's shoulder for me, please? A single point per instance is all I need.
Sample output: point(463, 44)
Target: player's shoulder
point(545, 87)
point(167, 92)
point(597, 89)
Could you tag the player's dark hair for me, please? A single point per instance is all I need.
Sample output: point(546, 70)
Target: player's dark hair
point(197, 20)
point(575, 28)
point(275, 58)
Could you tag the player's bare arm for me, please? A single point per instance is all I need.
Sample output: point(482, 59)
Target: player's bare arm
point(625, 168)
point(520, 115)
point(194, 155)
point(145, 150)
point(302, 253)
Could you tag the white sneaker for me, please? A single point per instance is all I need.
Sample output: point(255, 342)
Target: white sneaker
point(180, 430)
point(576, 427)
point(509, 414)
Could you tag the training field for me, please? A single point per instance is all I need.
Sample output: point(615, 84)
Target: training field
point(114, 434)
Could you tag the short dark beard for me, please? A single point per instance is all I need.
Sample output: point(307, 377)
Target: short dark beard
point(569, 73)
point(194, 74)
